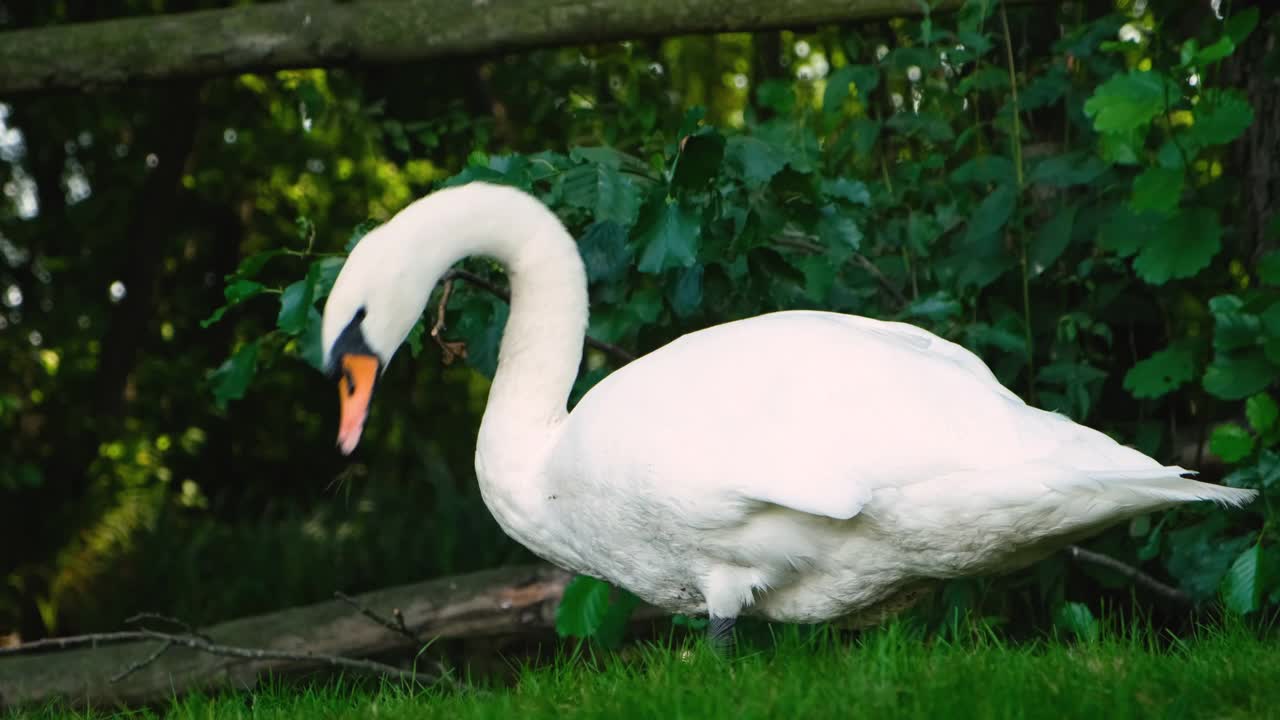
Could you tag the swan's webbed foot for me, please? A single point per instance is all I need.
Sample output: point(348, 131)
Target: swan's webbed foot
point(720, 635)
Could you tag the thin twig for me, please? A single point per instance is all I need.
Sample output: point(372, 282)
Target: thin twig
point(1094, 558)
point(445, 292)
point(1021, 236)
point(619, 354)
point(799, 242)
point(234, 651)
point(885, 283)
point(139, 664)
point(452, 350)
point(176, 622)
point(478, 281)
point(399, 628)
point(70, 641)
point(802, 243)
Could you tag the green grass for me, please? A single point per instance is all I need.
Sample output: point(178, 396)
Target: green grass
point(890, 673)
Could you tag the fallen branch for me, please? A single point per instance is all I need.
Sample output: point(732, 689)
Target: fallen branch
point(323, 33)
point(253, 653)
point(1173, 594)
point(124, 667)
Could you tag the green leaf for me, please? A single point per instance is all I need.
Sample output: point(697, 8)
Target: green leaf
point(1215, 52)
point(1122, 148)
point(1125, 232)
point(613, 626)
point(602, 190)
point(669, 235)
point(1051, 239)
point(582, 607)
point(294, 303)
point(1231, 442)
point(699, 160)
point(685, 294)
point(232, 378)
point(1241, 24)
point(1162, 373)
point(1129, 101)
point(865, 79)
point(1236, 376)
point(253, 264)
point(985, 79)
point(938, 306)
point(1157, 190)
point(1068, 170)
point(1243, 584)
point(1200, 555)
point(837, 229)
point(310, 347)
point(605, 251)
point(929, 126)
point(1270, 320)
point(752, 160)
point(865, 133)
point(852, 191)
point(1221, 117)
point(1232, 327)
point(236, 292)
point(1187, 243)
point(323, 274)
point(1262, 412)
point(215, 317)
point(1269, 267)
point(819, 276)
point(597, 155)
point(1047, 89)
point(992, 213)
point(986, 170)
point(645, 305)
point(777, 95)
point(480, 325)
point(1076, 619)
point(358, 233)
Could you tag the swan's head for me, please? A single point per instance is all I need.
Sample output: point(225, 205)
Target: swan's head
point(374, 303)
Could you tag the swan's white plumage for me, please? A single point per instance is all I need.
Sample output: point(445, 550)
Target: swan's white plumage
point(800, 465)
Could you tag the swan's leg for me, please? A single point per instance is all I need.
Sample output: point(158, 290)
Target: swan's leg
point(720, 635)
point(728, 589)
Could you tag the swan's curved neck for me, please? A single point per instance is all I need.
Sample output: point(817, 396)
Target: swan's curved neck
point(542, 342)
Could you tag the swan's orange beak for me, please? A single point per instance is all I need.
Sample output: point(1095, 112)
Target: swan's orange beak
point(355, 388)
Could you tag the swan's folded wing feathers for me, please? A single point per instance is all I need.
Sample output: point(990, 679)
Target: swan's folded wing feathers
point(808, 411)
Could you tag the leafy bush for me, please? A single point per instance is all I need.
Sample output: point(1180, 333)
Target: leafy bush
point(1067, 216)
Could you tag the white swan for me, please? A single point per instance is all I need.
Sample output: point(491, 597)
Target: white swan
point(801, 466)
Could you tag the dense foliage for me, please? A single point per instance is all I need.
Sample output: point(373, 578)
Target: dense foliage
point(1073, 214)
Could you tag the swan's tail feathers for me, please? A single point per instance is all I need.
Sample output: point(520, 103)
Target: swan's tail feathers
point(1170, 485)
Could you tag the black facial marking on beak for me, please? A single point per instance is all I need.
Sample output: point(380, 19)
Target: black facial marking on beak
point(350, 342)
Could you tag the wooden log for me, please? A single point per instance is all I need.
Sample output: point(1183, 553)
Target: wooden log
point(504, 601)
point(324, 33)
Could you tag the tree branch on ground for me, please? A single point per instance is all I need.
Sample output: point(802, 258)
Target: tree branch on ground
point(1167, 592)
point(127, 667)
point(323, 33)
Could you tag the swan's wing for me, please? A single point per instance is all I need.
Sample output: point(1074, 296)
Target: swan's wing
point(805, 410)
